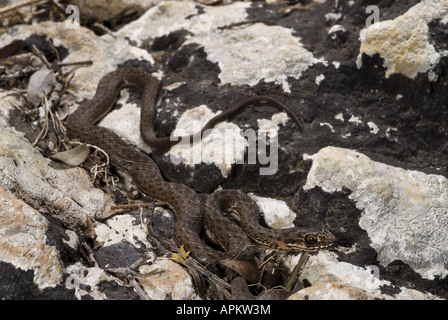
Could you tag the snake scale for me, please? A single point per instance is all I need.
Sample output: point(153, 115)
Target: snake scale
point(184, 201)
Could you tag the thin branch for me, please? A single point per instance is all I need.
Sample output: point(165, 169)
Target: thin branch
point(19, 5)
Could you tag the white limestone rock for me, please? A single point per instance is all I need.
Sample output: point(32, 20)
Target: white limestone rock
point(278, 53)
point(69, 193)
point(166, 279)
point(334, 280)
point(29, 184)
point(404, 212)
point(276, 213)
point(85, 281)
point(223, 146)
point(122, 227)
point(23, 240)
point(404, 42)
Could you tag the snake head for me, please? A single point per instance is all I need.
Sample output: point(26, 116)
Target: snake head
point(318, 240)
point(301, 239)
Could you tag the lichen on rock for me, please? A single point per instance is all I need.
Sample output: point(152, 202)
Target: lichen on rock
point(404, 42)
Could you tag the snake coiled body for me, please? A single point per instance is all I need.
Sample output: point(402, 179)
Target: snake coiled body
point(184, 201)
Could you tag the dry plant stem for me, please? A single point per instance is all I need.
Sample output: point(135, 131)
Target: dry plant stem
point(41, 56)
point(54, 120)
point(19, 5)
point(52, 103)
point(141, 292)
point(44, 130)
point(296, 271)
point(59, 6)
point(242, 23)
point(78, 63)
point(89, 255)
point(21, 73)
point(104, 29)
point(91, 228)
point(132, 206)
point(220, 284)
point(194, 263)
point(129, 274)
point(262, 267)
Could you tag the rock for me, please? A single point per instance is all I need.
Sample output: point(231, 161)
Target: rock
point(329, 290)
point(276, 213)
point(334, 280)
point(126, 122)
point(69, 195)
point(404, 42)
point(405, 213)
point(23, 241)
point(122, 228)
point(279, 54)
point(223, 146)
point(94, 283)
point(166, 280)
point(86, 46)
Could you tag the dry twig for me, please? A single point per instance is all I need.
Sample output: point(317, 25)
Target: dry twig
point(18, 5)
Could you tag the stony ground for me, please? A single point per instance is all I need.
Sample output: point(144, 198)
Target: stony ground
point(371, 164)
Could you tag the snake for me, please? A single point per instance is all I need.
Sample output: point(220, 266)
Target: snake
point(190, 209)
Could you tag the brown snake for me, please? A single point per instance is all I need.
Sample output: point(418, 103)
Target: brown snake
point(182, 199)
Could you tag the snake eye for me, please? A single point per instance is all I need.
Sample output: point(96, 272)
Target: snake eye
point(310, 239)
